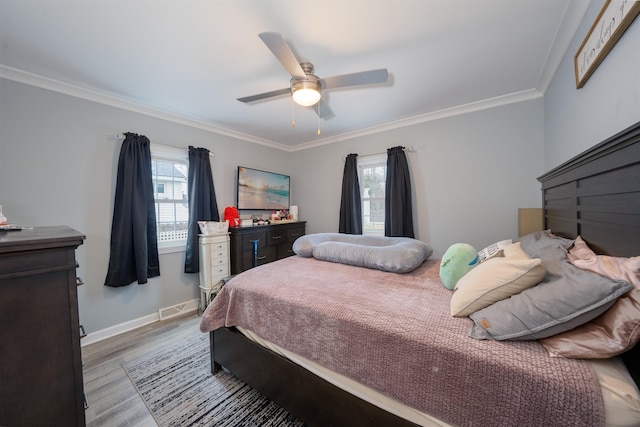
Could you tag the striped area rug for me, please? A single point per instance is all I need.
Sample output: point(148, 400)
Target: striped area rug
point(179, 390)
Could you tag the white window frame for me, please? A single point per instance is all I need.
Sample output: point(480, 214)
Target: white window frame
point(172, 154)
point(367, 162)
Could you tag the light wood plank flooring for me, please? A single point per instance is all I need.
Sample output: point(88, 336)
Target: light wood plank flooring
point(113, 400)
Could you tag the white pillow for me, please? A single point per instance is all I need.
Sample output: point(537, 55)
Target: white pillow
point(496, 279)
point(515, 251)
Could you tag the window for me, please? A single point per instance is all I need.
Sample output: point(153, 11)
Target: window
point(169, 167)
point(372, 173)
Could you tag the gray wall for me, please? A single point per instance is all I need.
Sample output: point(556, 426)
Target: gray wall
point(577, 119)
point(58, 162)
point(470, 174)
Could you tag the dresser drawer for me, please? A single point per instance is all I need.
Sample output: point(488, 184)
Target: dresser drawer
point(37, 262)
point(218, 257)
point(248, 239)
point(276, 237)
point(218, 247)
point(265, 255)
point(294, 233)
point(218, 272)
point(285, 250)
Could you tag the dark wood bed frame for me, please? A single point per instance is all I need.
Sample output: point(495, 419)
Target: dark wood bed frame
point(595, 195)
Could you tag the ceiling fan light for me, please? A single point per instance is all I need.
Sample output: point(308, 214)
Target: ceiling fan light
point(306, 97)
point(306, 92)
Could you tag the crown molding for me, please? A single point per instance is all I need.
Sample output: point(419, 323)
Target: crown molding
point(124, 104)
point(110, 100)
point(498, 101)
point(572, 17)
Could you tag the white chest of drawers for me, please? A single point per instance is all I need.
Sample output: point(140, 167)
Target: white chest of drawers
point(214, 264)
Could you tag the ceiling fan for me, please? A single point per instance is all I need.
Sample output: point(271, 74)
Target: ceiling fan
point(305, 87)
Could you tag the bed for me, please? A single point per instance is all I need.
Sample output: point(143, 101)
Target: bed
point(347, 368)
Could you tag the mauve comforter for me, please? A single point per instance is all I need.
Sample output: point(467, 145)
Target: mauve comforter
point(393, 332)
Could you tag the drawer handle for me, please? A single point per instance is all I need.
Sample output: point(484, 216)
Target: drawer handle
point(295, 234)
point(254, 241)
point(290, 251)
point(276, 237)
point(260, 258)
point(79, 281)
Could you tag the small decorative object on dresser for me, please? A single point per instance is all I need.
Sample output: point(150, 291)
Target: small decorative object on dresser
point(40, 361)
point(261, 244)
point(214, 265)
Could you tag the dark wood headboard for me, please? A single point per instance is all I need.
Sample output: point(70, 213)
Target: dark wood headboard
point(597, 195)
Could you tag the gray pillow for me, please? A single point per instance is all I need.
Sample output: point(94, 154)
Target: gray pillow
point(566, 298)
point(538, 241)
point(393, 254)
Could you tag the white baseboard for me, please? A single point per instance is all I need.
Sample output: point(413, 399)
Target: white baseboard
point(162, 314)
point(178, 309)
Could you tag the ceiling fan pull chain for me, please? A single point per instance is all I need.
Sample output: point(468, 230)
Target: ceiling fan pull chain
point(318, 105)
point(293, 121)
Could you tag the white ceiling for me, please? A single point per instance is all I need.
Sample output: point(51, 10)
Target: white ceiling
point(190, 60)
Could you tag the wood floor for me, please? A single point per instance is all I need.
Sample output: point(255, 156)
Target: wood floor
point(113, 400)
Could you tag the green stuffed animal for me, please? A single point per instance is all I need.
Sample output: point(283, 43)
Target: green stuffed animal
point(457, 261)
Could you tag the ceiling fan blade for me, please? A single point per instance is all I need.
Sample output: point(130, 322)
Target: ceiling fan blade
point(281, 50)
point(362, 78)
point(324, 111)
point(285, 91)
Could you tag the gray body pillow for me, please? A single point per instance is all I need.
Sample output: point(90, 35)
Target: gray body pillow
point(393, 254)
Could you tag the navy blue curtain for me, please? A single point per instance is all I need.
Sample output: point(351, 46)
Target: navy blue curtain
point(398, 219)
point(350, 204)
point(202, 203)
point(134, 241)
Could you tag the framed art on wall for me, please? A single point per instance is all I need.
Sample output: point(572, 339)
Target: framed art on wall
point(612, 21)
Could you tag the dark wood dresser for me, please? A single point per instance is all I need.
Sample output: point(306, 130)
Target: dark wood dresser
point(274, 242)
point(40, 360)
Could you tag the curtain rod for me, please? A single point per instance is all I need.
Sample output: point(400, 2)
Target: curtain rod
point(410, 149)
point(121, 137)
